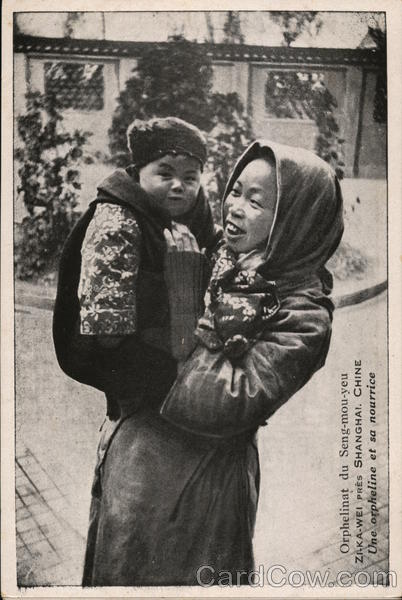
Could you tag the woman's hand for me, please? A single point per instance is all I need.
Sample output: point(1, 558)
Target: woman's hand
point(180, 239)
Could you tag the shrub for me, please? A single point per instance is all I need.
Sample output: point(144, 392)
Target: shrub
point(304, 94)
point(176, 80)
point(348, 262)
point(230, 134)
point(170, 80)
point(49, 181)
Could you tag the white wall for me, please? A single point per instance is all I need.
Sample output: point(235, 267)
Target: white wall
point(95, 121)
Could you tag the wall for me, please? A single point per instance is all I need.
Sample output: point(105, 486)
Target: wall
point(29, 73)
point(284, 131)
point(362, 135)
point(126, 68)
point(373, 148)
point(231, 77)
point(296, 132)
point(95, 121)
point(368, 146)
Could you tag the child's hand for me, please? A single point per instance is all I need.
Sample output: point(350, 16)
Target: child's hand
point(180, 239)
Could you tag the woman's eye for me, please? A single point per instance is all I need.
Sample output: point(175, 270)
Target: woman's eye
point(255, 203)
point(235, 193)
point(165, 174)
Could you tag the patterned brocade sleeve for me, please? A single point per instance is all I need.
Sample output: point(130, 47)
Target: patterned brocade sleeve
point(109, 268)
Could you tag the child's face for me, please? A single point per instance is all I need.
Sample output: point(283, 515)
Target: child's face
point(250, 207)
point(174, 181)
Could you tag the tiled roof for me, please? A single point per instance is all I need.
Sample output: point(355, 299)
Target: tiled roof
point(231, 52)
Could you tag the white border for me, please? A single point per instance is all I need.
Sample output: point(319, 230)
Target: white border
point(393, 9)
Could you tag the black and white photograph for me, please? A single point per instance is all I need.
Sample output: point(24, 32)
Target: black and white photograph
point(200, 347)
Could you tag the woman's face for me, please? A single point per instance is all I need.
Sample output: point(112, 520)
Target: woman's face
point(174, 181)
point(250, 207)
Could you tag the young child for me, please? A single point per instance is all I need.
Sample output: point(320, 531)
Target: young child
point(112, 330)
point(267, 323)
point(111, 320)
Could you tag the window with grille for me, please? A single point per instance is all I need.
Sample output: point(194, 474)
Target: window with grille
point(289, 94)
point(75, 85)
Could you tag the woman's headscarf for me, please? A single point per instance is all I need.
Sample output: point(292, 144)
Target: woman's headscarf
point(308, 220)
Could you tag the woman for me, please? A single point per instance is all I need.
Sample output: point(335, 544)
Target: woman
point(267, 322)
point(176, 508)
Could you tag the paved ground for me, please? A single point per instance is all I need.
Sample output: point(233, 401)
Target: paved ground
point(47, 540)
point(57, 423)
point(57, 426)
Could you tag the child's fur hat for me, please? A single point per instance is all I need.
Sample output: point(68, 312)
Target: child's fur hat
point(152, 139)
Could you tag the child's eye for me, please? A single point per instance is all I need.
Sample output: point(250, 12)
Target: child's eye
point(190, 180)
point(165, 174)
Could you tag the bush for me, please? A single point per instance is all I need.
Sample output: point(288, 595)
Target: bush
point(171, 80)
point(348, 262)
point(49, 183)
point(176, 80)
point(230, 134)
point(304, 94)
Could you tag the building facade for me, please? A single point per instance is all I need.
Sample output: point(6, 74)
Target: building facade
point(88, 76)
